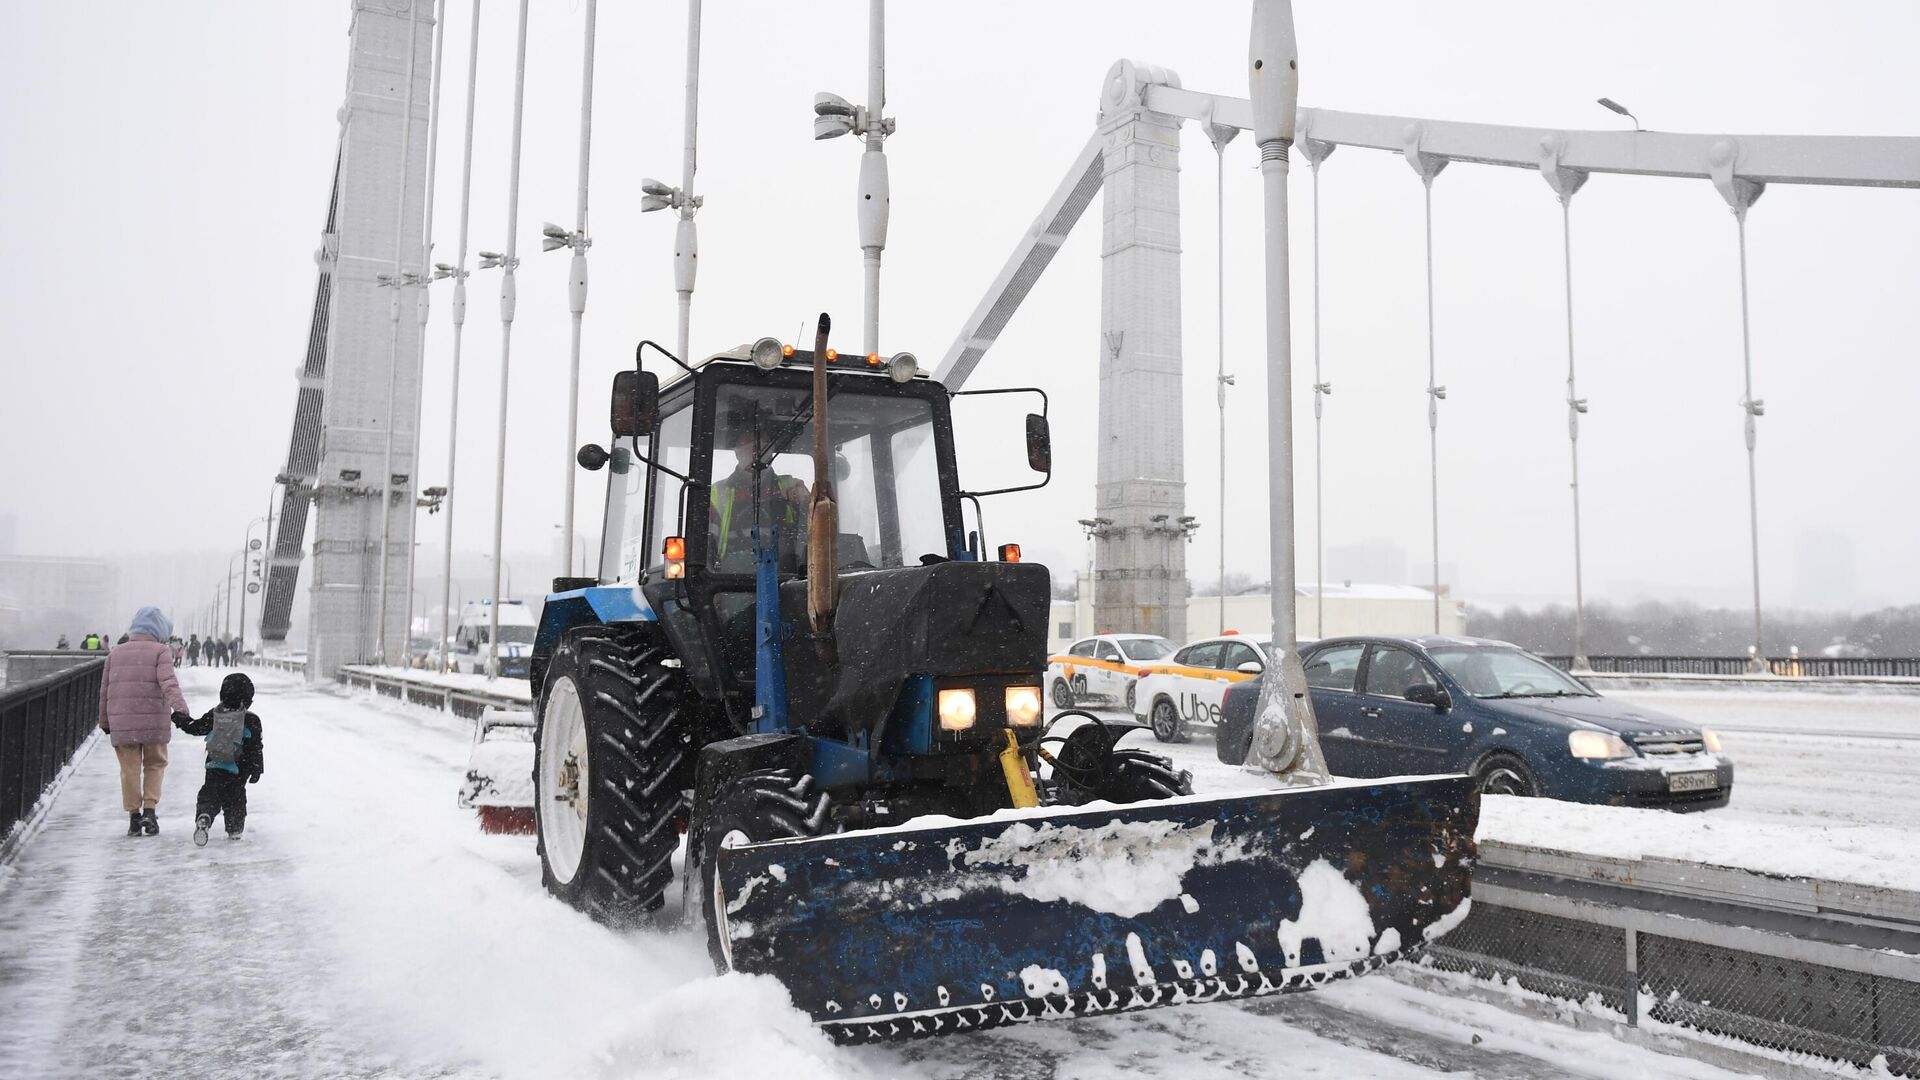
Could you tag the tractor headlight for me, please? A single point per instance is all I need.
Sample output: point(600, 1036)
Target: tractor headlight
point(957, 710)
point(903, 367)
point(1597, 745)
point(1709, 740)
point(1023, 705)
point(767, 353)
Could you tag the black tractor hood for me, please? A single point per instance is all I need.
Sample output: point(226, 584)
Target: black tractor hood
point(946, 619)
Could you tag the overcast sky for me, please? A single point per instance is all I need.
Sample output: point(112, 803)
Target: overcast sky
point(164, 171)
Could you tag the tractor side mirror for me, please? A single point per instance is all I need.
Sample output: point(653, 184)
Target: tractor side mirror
point(636, 403)
point(1427, 694)
point(592, 458)
point(1039, 444)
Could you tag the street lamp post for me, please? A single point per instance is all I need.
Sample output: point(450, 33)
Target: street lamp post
point(835, 116)
point(1286, 740)
point(459, 272)
point(1615, 107)
point(555, 237)
point(247, 547)
point(658, 196)
point(497, 564)
point(508, 296)
point(425, 300)
point(226, 627)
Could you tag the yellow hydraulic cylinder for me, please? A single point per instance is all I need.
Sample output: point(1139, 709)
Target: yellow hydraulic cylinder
point(1019, 780)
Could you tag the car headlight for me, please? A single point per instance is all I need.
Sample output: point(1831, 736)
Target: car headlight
point(1023, 705)
point(1709, 740)
point(1597, 745)
point(957, 710)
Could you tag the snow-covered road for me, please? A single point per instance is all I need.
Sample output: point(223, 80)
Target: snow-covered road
point(365, 928)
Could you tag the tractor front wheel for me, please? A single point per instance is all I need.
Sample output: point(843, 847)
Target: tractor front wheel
point(611, 760)
point(771, 804)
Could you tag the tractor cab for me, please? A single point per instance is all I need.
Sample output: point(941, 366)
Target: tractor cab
point(722, 467)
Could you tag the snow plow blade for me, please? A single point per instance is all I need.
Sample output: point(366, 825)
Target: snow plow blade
point(1055, 913)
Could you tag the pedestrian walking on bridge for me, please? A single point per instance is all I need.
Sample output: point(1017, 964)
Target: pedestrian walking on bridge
point(139, 698)
point(234, 758)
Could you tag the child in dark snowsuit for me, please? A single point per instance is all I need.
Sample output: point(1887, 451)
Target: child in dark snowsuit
point(234, 758)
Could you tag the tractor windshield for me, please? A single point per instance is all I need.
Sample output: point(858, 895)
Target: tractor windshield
point(884, 474)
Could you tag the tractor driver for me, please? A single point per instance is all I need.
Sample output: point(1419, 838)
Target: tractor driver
point(783, 503)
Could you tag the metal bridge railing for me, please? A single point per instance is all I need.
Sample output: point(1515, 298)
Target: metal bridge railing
point(279, 663)
point(422, 690)
point(1792, 967)
point(1815, 667)
point(42, 723)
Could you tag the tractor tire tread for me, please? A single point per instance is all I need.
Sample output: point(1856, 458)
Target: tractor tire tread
point(630, 702)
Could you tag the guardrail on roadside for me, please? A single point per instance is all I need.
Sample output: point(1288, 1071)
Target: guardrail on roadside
point(1786, 965)
point(1810, 667)
point(421, 690)
point(279, 663)
point(43, 722)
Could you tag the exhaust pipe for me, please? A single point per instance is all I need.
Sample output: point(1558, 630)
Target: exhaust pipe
point(823, 517)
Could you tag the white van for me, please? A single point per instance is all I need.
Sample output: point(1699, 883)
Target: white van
point(517, 625)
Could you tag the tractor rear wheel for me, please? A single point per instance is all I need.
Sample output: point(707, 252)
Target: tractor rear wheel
point(771, 804)
point(612, 757)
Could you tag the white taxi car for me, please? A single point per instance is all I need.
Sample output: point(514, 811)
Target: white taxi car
point(1104, 667)
point(1187, 687)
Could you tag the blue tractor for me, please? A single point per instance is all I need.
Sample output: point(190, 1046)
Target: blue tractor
point(799, 652)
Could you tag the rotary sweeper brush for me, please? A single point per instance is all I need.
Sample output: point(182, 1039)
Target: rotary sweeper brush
point(797, 652)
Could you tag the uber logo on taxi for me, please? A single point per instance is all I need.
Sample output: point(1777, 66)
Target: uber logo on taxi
point(1194, 710)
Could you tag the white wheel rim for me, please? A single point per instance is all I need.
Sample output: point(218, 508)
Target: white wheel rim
point(734, 838)
point(563, 788)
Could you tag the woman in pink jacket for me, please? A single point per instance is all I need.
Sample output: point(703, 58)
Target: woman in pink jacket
point(139, 697)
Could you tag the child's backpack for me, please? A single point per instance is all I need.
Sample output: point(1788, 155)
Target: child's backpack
point(223, 742)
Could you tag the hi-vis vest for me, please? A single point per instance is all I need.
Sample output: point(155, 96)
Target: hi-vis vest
point(724, 498)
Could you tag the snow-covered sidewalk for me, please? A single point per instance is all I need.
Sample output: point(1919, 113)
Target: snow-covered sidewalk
point(366, 928)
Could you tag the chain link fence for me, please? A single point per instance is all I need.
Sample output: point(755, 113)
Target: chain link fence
point(1727, 994)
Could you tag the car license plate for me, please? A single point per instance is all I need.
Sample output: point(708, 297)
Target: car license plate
point(1693, 781)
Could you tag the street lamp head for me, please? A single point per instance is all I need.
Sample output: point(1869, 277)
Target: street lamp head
point(656, 188)
point(650, 203)
point(491, 259)
point(825, 104)
point(833, 116)
point(1615, 107)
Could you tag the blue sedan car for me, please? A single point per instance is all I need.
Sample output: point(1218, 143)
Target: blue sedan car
point(1394, 706)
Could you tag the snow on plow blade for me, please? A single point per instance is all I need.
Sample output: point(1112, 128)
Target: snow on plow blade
point(1063, 912)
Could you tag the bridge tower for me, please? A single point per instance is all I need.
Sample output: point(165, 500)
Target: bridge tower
point(1140, 557)
point(342, 409)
